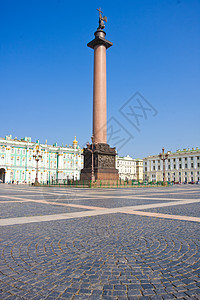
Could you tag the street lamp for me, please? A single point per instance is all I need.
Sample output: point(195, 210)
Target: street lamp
point(163, 157)
point(92, 151)
point(37, 156)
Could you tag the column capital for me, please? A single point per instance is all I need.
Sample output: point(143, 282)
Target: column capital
point(99, 40)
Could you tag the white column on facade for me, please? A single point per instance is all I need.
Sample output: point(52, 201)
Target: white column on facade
point(189, 162)
point(195, 162)
point(171, 164)
point(60, 165)
point(74, 165)
point(183, 163)
point(166, 165)
point(7, 175)
point(156, 165)
point(7, 156)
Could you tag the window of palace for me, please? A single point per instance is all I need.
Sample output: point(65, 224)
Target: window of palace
point(12, 150)
point(192, 165)
point(3, 149)
point(186, 166)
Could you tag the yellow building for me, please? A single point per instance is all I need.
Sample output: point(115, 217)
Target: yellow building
point(139, 169)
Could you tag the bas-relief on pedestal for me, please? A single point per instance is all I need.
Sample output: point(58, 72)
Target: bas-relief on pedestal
point(104, 162)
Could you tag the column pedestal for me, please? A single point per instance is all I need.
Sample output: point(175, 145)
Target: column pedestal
point(103, 162)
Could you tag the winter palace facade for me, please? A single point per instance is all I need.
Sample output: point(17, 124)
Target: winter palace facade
point(17, 163)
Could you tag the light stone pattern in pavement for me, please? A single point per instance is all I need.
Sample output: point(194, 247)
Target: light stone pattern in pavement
point(95, 211)
point(110, 252)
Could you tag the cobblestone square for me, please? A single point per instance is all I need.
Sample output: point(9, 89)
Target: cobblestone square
point(131, 243)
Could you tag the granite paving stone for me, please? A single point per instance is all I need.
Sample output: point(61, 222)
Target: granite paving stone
point(21, 209)
point(107, 256)
point(183, 210)
point(112, 203)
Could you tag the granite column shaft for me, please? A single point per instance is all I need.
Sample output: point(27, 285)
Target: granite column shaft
point(99, 95)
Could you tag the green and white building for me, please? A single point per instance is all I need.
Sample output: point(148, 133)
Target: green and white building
point(18, 165)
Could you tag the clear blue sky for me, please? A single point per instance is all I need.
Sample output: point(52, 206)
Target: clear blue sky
point(46, 70)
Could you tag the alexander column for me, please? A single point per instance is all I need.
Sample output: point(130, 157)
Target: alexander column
point(99, 157)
